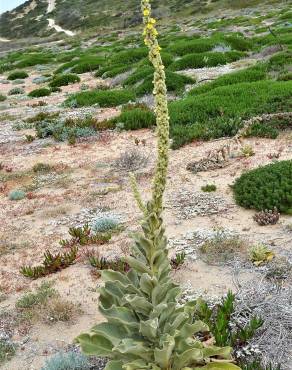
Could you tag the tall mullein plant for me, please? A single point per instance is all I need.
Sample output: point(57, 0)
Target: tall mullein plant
point(145, 327)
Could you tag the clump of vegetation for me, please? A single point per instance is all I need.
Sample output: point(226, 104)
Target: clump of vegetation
point(267, 217)
point(131, 160)
point(17, 75)
point(103, 98)
point(67, 129)
point(83, 236)
point(209, 188)
point(17, 194)
point(105, 223)
point(221, 248)
point(67, 361)
point(219, 112)
point(42, 167)
point(2, 97)
point(134, 118)
point(64, 80)
point(260, 254)
point(52, 263)
point(266, 187)
point(102, 263)
point(7, 350)
point(37, 93)
point(41, 296)
point(247, 151)
point(178, 260)
point(16, 91)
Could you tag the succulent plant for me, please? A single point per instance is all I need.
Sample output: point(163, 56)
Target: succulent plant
point(267, 217)
point(260, 254)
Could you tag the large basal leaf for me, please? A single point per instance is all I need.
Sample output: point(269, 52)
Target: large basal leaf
point(138, 266)
point(134, 348)
point(218, 366)
point(94, 344)
point(113, 333)
point(120, 315)
point(193, 355)
point(149, 328)
point(114, 365)
point(138, 304)
point(224, 352)
point(163, 356)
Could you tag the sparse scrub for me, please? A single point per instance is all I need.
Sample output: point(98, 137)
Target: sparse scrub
point(221, 248)
point(17, 75)
point(266, 187)
point(16, 91)
point(7, 350)
point(41, 296)
point(38, 93)
point(131, 160)
point(2, 97)
point(64, 80)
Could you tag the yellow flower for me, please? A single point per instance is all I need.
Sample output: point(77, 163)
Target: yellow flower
point(149, 26)
point(146, 12)
point(152, 20)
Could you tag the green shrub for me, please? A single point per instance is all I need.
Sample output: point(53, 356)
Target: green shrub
point(86, 63)
point(174, 82)
point(16, 91)
point(251, 74)
point(40, 296)
point(16, 195)
point(238, 43)
point(135, 119)
point(33, 59)
point(104, 98)
point(184, 47)
point(266, 187)
point(139, 75)
point(17, 75)
point(7, 350)
point(37, 93)
point(210, 59)
point(64, 80)
point(217, 113)
point(130, 56)
point(2, 97)
point(209, 188)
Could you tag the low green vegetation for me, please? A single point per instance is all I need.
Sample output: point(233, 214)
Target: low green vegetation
point(7, 350)
point(38, 93)
point(17, 75)
point(64, 80)
point(218, 112)
point(104, 98)
point(2, 97)
point(210, 59)
point(67, 361)
point(135, 118)
point(251, 74)
point(209, 188)
point(266, 187)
